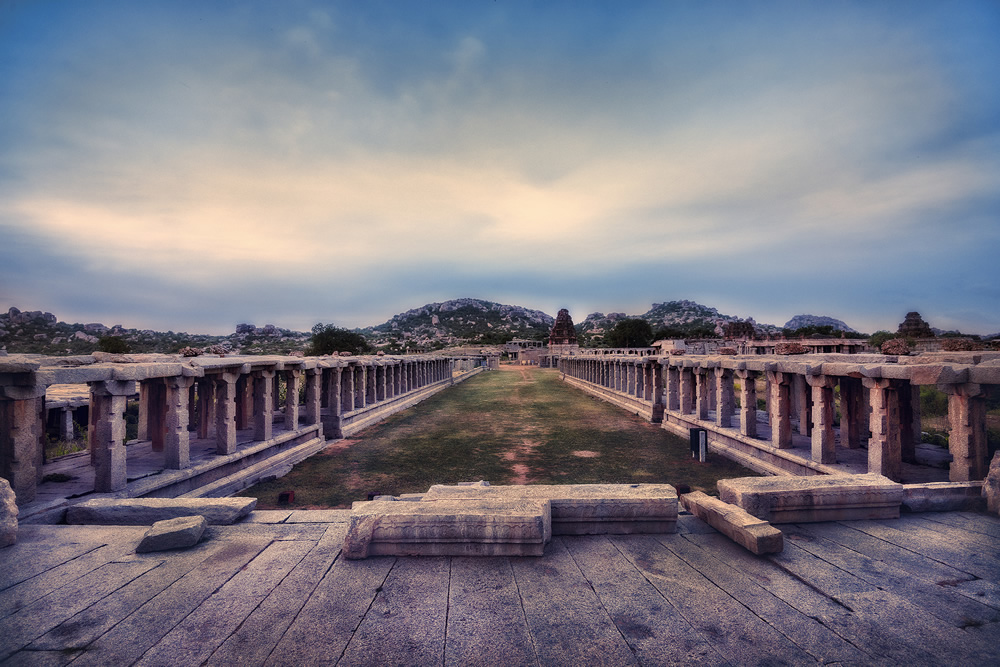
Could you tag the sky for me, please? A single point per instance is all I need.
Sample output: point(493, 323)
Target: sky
point(189, 166)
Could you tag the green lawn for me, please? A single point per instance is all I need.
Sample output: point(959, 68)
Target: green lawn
point(513, 426)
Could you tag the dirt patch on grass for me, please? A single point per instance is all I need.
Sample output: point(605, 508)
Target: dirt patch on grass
point(586, 454)
point(338, 446)
point(520, 474)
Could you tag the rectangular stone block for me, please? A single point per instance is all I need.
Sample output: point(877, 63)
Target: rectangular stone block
point(748, 531)
point(147, 511)
point(586, 509)
point(461, 527)
point(814, 498)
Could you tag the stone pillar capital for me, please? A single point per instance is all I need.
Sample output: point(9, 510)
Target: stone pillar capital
point(827, 381)
point(22, 393)
point(876, 383)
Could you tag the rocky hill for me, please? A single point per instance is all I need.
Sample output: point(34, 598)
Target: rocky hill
point(800, 321)
point(438, 325)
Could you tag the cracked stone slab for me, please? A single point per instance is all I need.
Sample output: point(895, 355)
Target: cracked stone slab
point(179, 533)
point(147, 511)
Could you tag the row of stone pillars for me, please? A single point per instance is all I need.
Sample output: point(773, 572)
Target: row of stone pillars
point(885, 411)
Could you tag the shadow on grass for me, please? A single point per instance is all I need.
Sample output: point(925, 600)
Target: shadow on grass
point(516, 425)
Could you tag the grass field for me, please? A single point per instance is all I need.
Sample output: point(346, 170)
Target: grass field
point(519, 425)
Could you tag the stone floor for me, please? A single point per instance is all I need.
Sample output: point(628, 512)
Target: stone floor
point(920, 590)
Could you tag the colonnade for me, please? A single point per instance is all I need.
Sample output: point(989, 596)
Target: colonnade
point(876, 401)
point(228, 400)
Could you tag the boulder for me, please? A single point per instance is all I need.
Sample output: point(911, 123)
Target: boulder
point(991, 486)
point(8, 514)
point(147, 511)
point(179, 533)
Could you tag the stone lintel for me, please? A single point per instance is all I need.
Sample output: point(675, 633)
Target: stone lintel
point(586, 509)
point(827, 381)
point(814, 498)
point(448, 528)
point(22, 393)
point(968, 390)
point(737, 524)
point(147, 511)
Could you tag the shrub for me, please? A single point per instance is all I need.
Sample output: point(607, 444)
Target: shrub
point(960, 345)
point(113, 345)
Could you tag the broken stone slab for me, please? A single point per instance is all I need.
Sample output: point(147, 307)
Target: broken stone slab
point(8, 514)
point(179, 533)
point(147, 511)
point(737, 524)
point(943, 497)
point(585, 509)
point(815, 498)
point(478, 527)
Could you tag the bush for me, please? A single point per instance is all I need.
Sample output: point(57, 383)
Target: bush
point(328, 339)
point(960, 345)
point(113, 345)
point(630, 333)
point(880, 337)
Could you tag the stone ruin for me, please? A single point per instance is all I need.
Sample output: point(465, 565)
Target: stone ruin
point(562, 338)
point(913, 326)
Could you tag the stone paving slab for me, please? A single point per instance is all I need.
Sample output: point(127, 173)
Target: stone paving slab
point(283, 594)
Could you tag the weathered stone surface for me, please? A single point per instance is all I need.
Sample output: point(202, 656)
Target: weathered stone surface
point(943, 497)
point(467, 527)
point(147, 511)
point(991, 486)
point(586, 509)
point(8, 514)
point(179, 533)
point(737, 524)
point(814, 498)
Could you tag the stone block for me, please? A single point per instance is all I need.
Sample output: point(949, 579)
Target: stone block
point(991, 486)
point(586, 509)
point(737, 524)
point(8, 514)
point(147, 511)
point(179, 533)
point(466, 527)
point(814, 498)
point(943, 497)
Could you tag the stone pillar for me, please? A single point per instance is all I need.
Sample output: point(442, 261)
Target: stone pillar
point(359, 387)
point(143, 433)
point(702, 389)
point(802, 403)
point(824, 446)
point(243, 410)
point(851, 406)
point(884, 457)
point(108, 446)
point(263, 403)
point(967, 440)
point(656, 375)
point(780, 410)
point(333, 424)
point(225, 411)
point(673, 388)
point(20, 429)
point(907, 442)
point(748, 402)
point(687, 390)
point(293, 379)
point(206, 406)
point(370, 377)
point(724, 397)
point(177, 439)
point(380, 382)
point(66, 430)
point(346, 389)
point(314, 389)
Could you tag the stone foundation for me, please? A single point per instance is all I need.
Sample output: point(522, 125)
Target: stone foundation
point(818, 498)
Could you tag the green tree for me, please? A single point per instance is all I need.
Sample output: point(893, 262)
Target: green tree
point(630, 333)
point(113, 345)
point(329, 339)
point(880, 337)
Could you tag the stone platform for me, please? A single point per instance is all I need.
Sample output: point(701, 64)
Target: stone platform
point(276, 590)
point(816, 498)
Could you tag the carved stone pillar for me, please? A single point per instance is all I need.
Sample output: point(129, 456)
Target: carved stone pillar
point(702, 389)
point(687, 390)
point(851, 406)
point(884, 456)
point(802, 403)
point(724, 397)
point(263, 403)
point(314, 380)
point(967, 440)
point(333, 423)
point(108, 446)
point(380, 382)
point(673, 388)
point(225, 411)
point(293, 379)
point(370, 377)
point(206, 406)
point(346, 389)
point(824, 445)
point(20, 430)
point(780, 410)
point(359, 387)
point(748, 402)
point(176, 437)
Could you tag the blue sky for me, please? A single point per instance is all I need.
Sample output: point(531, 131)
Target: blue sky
point(190, 166)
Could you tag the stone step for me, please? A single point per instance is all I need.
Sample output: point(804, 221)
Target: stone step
point(460, 527)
